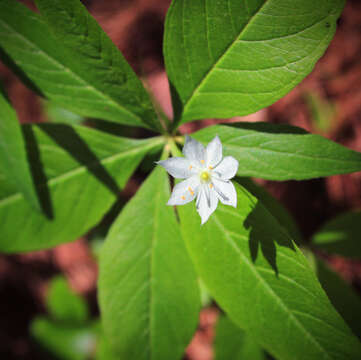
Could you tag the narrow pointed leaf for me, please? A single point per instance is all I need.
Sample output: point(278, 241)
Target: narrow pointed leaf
point(79, 173)
point(80, 69)
point(263, 282)
point(13, 153)
point(341, 235)
point(281, 152)
point(148, 290)
point(246, 55)
point(231, 342)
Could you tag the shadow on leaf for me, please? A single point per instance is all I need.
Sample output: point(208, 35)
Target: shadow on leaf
point(8, 61)
point(177, 104)
point(68, 139)
point(37, 171)
point(263, 127)
point(263, 234)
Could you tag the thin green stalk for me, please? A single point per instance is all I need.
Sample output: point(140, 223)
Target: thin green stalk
point(175, 151)
point(165, 152)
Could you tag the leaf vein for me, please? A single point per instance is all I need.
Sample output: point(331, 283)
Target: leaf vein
point(267, 287)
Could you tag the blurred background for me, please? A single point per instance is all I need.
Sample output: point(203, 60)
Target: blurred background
point(327, 102)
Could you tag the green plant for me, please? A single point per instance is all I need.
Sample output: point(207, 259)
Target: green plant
point(223, 58)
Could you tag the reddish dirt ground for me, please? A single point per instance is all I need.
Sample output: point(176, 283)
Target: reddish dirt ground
point(136, 27)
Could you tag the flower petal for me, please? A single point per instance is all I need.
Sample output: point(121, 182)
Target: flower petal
point(184, 192)
point(214, 152)
point(178, 167)
point(206, 207)
point(225, 191)
point(227, 168)
point(195, 152)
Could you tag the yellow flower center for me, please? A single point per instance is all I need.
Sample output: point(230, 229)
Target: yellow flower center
point(205, 176)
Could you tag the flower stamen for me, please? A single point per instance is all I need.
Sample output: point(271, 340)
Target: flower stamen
point(205, 176)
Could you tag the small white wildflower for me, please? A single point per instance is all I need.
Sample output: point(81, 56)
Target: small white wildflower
point(207, 176)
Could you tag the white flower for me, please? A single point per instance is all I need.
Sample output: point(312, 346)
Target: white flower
point(207, 176)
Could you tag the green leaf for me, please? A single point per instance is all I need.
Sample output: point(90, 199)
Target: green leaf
point(281, 152)
point(281, 214)
point(233, 343)
point(79, 173)
point(66, 342)
point(341, 235)
point(346, 301)
point(64, 305)
point(245, 55)
point(80, 69)
point(104, 351)
point(206, 299)
point(13, 155)
point(262, 281)
point(148, 290)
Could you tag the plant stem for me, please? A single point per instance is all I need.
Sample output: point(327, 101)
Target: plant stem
point(165, 152)
point(174, 148)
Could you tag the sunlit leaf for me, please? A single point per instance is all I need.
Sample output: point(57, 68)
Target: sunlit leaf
point(148, 290)
point(281, 152)
point(79, 67)
point(227, 58)
point(79, 174)
point(104, 351)
point(263, 282)
point(13, 157)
